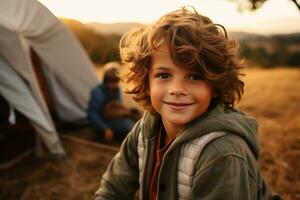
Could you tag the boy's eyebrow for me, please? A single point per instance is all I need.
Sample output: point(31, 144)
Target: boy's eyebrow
point(161, 68)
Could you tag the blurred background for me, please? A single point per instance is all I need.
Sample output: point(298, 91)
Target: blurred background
point(269, 35)
point(267, 30)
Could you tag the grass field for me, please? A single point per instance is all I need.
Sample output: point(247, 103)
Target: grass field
point(272, 96)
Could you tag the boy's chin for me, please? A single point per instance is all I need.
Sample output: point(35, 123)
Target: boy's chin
point(179, 120)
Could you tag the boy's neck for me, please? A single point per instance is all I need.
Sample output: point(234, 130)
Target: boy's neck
point(171, 130)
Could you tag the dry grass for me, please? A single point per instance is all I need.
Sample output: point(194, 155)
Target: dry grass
point(76, 177)
point(272, 96)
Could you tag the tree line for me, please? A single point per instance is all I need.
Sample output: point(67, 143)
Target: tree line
point(100, 48)
point(264, 51)
point(272, 51)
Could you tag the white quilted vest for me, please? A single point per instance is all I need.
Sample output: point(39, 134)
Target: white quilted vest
point(189, 153)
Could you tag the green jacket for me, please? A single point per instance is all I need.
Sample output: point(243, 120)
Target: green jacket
point(226, 168)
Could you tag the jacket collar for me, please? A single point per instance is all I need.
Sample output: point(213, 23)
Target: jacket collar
point(219, 118)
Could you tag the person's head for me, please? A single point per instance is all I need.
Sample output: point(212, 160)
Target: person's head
point(110, 78)
point(194, 44)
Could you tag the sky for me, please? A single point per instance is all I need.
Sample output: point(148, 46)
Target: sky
point(275, 16)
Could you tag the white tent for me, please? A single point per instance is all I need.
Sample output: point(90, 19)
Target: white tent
point(68, 71)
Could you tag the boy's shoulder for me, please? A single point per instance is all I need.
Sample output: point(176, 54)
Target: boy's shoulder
point(229, 146)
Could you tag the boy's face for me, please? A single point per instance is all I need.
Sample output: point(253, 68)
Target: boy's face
point(178, 94)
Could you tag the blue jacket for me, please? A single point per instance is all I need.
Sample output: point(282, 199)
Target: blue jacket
point(100, 96)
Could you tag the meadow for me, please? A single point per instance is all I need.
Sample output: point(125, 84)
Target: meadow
point(271, 95)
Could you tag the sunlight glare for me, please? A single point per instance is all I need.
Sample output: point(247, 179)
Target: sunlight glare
point(224, 12)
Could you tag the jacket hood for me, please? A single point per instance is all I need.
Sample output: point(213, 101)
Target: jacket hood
point(220, 118)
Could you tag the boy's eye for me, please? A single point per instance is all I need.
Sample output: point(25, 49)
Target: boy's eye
point(195, 77)
point(162, 75)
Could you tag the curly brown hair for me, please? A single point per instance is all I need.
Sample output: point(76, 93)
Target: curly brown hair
point(194, 41)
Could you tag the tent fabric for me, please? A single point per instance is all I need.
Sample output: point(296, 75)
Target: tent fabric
point(76, 75)
point(48, 37)
point(17, 93)
point(66, 109)
point(68, 71)
point(18, 58)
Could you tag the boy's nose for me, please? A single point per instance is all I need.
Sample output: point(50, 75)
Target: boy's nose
point(177, 87)
point(177, 92)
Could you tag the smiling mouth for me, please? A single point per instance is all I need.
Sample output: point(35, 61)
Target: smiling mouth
point(178, 106)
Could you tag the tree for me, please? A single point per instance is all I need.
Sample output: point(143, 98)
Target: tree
point(255, 4)
point(101, 48)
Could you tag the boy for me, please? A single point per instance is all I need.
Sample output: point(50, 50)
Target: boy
point(105, 100)
point(185, 73)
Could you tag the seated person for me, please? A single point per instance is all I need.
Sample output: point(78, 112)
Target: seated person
point(106, 112)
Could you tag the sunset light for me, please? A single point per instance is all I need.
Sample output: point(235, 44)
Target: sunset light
point(274, 15)
point(149, 99)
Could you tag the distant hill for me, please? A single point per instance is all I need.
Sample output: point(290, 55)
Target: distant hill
point(121, 28)
point(244, 35)
point(101, 48)
point(271, 26)
point(101, 43)
point(114, 28)
point(271, 43)
point(291, 39)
